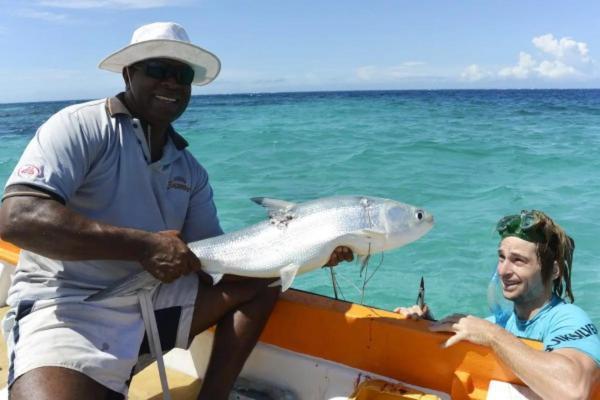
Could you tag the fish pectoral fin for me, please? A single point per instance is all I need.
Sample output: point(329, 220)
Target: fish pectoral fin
point(274, 205)
point(216, 278)
point(287, 274)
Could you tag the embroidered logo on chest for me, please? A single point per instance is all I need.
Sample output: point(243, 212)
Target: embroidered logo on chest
point(179, 183)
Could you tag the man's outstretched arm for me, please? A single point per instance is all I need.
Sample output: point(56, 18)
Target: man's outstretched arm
point(561, 374)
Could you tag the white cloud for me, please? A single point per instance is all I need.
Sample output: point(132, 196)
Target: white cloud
point(561, 48)
point(118, 4)
point(41, 15)
point(555, 69)
point(522, 70)
point(474, 73)
point(554, 59)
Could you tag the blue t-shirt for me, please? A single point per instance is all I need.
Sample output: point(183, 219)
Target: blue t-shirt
point(558, 325)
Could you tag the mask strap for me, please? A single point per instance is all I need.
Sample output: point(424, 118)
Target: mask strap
point(149, 138)
point(129, 77)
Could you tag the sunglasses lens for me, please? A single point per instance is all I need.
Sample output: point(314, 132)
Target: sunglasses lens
point(184, 74)
point(156, 71)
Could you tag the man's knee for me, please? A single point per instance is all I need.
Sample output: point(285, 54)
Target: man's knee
point(57, 383)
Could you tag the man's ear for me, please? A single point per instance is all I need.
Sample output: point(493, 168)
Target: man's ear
point(555, 271)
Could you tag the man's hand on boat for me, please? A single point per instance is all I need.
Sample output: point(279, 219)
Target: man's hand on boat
point(467, 327)
point(416, 312)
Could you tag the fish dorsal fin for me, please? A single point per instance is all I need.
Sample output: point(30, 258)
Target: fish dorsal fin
point(280, 211)
point(287, 275)
point(274, 205)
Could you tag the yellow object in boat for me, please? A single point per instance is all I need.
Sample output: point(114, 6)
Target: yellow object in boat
point(376, 389)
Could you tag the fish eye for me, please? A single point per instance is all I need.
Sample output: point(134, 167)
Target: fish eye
point(419, 214)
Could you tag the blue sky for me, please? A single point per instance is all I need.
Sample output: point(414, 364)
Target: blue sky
point(50, 48)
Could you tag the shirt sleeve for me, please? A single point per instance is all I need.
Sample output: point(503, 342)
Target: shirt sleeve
point(57, 157)
point(572, 328)
point(201, 221)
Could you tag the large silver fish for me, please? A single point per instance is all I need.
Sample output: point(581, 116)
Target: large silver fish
point(298, 238)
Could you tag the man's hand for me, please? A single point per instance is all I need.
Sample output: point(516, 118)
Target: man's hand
point(415, 312)
point(167, 257)
point(340, 253)
point(466, 327)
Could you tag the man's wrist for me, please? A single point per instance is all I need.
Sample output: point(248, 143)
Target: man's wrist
point(495, 335)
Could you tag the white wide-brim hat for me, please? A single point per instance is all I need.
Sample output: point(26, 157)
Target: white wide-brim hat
point(165, 40)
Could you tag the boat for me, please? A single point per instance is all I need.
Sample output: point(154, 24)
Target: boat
point(319, 348)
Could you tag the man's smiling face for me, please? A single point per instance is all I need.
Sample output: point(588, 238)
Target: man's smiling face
point(520, 270)
point(158, 90)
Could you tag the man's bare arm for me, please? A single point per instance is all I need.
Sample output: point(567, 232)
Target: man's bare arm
point(560, 374)
point(43, 225)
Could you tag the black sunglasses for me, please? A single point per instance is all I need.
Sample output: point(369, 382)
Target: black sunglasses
point(183, 74)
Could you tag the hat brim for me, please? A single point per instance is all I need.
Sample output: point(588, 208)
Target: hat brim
point(205, 64)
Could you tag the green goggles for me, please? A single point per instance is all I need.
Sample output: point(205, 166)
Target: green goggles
point(525, 226)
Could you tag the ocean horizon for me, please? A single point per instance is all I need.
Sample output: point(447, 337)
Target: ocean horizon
point(284, 92)
point(467, 156)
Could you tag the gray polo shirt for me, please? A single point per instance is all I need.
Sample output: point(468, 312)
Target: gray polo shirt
point(95, 158)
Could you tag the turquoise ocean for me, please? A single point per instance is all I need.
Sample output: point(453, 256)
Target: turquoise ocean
point(468, 157)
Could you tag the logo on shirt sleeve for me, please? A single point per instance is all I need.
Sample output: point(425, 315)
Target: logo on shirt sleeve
point(581, 333)
point(30, 171)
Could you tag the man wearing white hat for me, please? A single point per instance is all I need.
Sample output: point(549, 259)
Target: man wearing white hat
point(105, 188)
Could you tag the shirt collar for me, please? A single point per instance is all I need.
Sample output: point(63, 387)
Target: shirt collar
point(115, 106)
point(548, 306)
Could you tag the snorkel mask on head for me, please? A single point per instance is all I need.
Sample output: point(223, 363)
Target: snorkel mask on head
point(525, 226)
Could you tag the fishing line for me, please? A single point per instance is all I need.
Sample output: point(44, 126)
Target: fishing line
point(375, 270)
point(333, 283)
point(348, 280)
point(368, 278)
point(336, 285)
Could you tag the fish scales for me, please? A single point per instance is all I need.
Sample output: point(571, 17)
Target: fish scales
point(261, 250)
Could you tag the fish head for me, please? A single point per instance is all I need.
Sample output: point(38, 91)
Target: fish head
point(402, 223)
